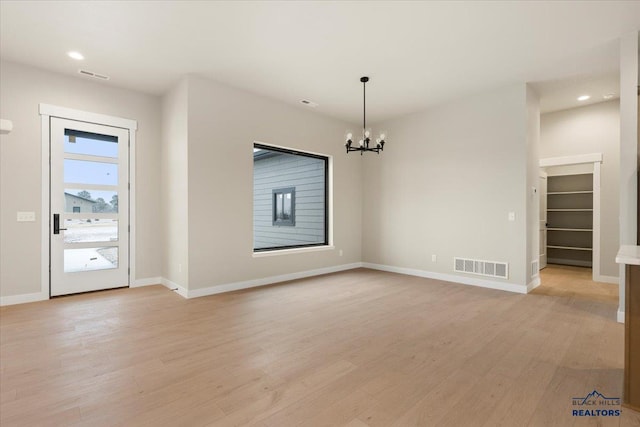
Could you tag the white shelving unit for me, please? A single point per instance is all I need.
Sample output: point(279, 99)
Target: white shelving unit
point(570, 219)
point(570, 192)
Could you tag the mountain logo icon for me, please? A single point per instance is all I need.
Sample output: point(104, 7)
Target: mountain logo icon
point(594, 398)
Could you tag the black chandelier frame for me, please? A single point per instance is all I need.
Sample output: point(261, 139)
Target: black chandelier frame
point(366, 140)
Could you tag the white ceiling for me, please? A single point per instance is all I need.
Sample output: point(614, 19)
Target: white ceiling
point(417, 54)
point(561, 94)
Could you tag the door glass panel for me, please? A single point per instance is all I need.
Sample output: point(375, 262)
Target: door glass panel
point(90, 230)
point(90, 259)
point(90, 201)
point(86, 172)
point(93, 144)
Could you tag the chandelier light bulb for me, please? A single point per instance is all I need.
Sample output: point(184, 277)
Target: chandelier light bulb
point(367, 133)
point(382, 136)
point(349, 135)
point(361, 143)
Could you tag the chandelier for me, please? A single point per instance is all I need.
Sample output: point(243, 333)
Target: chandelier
point(363, 144)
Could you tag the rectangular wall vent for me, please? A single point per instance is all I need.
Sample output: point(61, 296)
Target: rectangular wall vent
point(482, 268)
point(535, 268)
point(94, 75)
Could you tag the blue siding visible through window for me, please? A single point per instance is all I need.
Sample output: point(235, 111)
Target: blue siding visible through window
point(278, 174)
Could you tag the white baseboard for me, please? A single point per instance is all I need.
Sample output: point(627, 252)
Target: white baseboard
point(535, 282)
point(607, 279)
point(24, 298)
point(183, 292)
point(483, 283)
point(146, 282)
point(620, 316)
point(228, 287)
point(174, 287)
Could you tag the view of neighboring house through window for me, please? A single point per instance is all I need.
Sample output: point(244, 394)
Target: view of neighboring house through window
point(284, 206)
point(289, 198)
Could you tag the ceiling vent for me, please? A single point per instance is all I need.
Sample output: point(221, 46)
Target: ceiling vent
point(309, 103)
point(92, 74)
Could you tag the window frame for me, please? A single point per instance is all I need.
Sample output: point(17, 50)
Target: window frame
point(325, 160)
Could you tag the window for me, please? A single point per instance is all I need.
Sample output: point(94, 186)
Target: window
point(284, 206)
point(76, 209)
point(289, 199)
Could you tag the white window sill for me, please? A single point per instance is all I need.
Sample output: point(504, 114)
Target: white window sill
point(276, 252)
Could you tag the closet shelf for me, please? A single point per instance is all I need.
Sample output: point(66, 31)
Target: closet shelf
point(569, 210)
point(568, 229)
point(569, 192)
point(573, 248)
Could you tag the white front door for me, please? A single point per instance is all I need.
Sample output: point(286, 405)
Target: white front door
point(89, 207)
point(543, 221)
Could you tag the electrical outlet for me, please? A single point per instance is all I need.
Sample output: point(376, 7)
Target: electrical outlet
point(179, 268)
point(512, 216)
point(434, 258)
point(340, 252)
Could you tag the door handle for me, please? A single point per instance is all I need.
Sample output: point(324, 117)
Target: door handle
point(56, 224)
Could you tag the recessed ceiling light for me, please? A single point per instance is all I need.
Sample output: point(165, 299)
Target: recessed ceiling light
point(75, 55)
point(583, 97)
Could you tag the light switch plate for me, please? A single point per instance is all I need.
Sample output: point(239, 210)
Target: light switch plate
point(512, 216)
point(26, 216)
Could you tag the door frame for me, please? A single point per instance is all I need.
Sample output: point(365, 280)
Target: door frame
point(46, 112)
point(542, 175)
point(596, 160)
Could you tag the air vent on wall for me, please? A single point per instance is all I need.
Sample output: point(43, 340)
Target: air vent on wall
point(92, 74)
point(482, 268)
point(535, 268)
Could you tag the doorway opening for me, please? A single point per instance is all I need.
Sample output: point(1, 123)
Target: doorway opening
point(570, 229)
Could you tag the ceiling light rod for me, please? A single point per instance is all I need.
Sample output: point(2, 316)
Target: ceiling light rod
point(363, 144)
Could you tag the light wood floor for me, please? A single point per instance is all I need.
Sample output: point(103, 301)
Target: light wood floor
point(574, 282)
point(358, 348)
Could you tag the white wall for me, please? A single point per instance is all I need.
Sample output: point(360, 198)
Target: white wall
point(22, 88)
point(629, 79)
point(446, 183)
point(175, 185)
point(593, 128)
point(223, 125)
